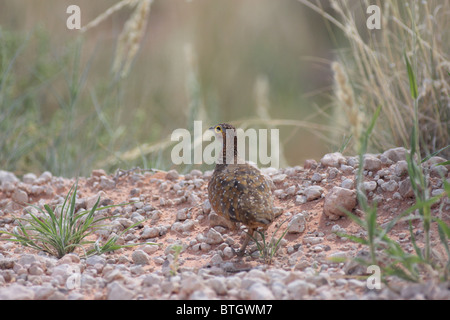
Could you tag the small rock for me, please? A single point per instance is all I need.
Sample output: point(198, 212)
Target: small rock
point(299, 288)
point(140, 257)
point(401, 168)
point(98, 173)
point(29, 178)
point(150, 232)
point(172, 175)
point(395, 154)
point(369, 186)
point(106, 183)
point(333, 160)
point(313, 193)
point(312, 240)
point(216, 220)
point(437, 192)
point(20, 196)
point(338, 199)
point(7, 263)
point(371, 163)
point(389, 186)
point(290, 191)
point(300, 199)
point(152, 279)
point(16, 292)
point(6, 176)
point(333, 172)
point(93, 260)
point(297, 224)
point(279, 178)
point(206, 207)
point(348, 184)
point(117, 291)
point(45, 177)
point(228, 252)
point(310, 164)
point(405, 189)
point(182, 214)
point(213, 237)
point(259, 291)
point(316, 177)
point(90, 201)
point(218, 284)
point(280, 194)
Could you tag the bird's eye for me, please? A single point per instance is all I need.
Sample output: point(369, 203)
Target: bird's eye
point(218, 129)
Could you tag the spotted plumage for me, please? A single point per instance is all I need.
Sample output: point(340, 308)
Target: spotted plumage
point(238, 191)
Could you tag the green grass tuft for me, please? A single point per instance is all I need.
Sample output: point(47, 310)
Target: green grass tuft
point(61, 231)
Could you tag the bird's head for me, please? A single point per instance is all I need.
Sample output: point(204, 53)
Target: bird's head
point(221, 130)
point(226, 134)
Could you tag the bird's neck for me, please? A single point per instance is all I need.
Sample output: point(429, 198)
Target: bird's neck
point(229, 150)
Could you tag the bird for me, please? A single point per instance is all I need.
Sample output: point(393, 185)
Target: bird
point(237, 190)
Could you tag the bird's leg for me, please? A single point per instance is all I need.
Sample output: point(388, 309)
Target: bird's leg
point(246, 241)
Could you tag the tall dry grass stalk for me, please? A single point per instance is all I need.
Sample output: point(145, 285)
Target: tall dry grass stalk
point(132, 33)
point(375, 67)
point(348, 113)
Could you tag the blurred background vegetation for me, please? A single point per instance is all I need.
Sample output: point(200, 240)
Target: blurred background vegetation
point(109, 97)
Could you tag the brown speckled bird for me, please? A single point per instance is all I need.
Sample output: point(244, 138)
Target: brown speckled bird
point(238, 191)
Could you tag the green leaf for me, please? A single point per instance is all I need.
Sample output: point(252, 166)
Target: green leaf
point(435, 154)
point(412, 79)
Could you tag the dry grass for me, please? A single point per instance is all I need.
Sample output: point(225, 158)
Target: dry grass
point(375, 68)
point(130, 38)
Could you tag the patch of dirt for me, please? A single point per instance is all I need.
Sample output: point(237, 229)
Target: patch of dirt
point(177, 207)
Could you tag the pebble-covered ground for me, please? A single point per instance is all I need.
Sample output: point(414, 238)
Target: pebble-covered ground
point(176, 213)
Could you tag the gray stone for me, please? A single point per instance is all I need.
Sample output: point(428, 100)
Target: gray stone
point(43, 292)
point(218, 284)
point(172, 175)
point(313, 193)
point(213, 237)
point(117, 291)
point(259, 291)
point(6, 176)
point(333, 160)
point(27, 259)
point(390, 186)
point(348, 184)
point(290, 191)
point(297, 224)
point(371, 163)
point(29, 178)
point(20, 196)
point(312, 240)
point(152, 279)
point(337, 201)
point(300, 288)
point(45, 177)
point(106, 183)
point(401, 168)
point(395, 154)
point(140, 257)
point(279, 178)
point(206, 207)
point(369, 185)
point(16, 292)
point(93, 260)
point(300, 199)
point(182, 214)
point(316, 177)
point(7, 263)
point(405, 189)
